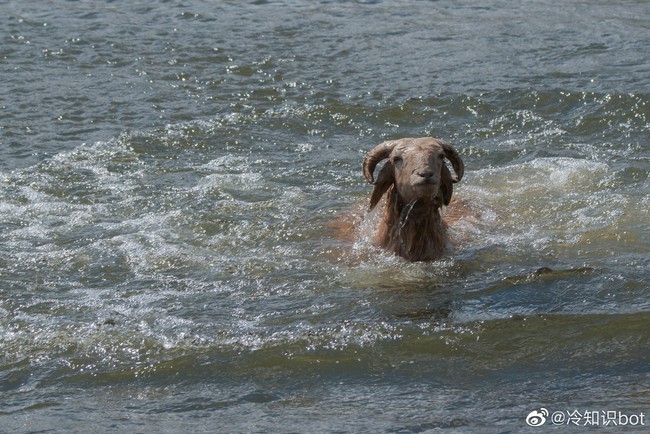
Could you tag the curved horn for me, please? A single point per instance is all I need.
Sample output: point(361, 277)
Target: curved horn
point(454, 158)
point(378, 153)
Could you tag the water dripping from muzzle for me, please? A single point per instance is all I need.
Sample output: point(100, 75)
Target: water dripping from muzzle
point(403, 218)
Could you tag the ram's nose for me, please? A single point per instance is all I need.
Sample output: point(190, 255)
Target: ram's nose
point(425, 177)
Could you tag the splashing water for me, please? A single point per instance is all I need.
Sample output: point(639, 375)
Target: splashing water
point(165, 257)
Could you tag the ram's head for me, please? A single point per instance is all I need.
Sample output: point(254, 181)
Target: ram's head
point(416, 168)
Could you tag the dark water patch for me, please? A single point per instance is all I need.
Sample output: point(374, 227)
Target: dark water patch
point(168, 179)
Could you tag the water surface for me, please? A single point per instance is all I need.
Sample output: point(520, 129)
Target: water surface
point(168, 172)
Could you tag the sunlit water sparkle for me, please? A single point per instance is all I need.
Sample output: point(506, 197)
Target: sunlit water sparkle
point(168, 179)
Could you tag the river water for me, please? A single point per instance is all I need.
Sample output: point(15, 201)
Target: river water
point(169, 171)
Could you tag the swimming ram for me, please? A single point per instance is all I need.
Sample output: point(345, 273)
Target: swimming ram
point(417, 184)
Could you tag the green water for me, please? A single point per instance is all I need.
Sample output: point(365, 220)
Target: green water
point(169, 172)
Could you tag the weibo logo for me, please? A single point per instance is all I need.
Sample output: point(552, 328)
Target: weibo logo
point(537, 418)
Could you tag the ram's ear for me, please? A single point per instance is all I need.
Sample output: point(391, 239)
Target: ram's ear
point(385, 179)
point(446, 185)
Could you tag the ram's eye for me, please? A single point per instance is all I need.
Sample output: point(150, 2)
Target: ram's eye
point(397, 161)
